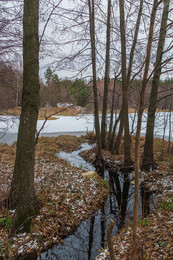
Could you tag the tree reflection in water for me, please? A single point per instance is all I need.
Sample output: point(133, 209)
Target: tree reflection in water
point(91, 234)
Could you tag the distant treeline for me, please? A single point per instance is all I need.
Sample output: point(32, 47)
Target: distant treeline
point(77, 91)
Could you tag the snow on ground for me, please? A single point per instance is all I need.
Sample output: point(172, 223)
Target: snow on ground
point(83, 123)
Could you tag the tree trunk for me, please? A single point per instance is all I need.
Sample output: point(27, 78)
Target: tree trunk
point(93, 54)
point(116, 145)
point(112, 135)
point(148, 157)
point(125, 122)
point(107, 79)
point(112, 111)
point(22, 193)
point(134, 42)
point(112, 128)
point(139, 122)
point(127, 153)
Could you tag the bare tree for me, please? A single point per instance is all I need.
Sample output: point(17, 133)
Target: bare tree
point(10, 30)
point(127, 156)
point(91, 6)
point(139, 122)
point(106, 79)
point(148, 157)
point(126, 77)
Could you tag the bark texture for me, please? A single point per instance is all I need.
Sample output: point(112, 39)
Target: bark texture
point(127, 153)
point(22, 194)
point(148, 157)
point(106, 79)
point(93, 54)
point(125, 83)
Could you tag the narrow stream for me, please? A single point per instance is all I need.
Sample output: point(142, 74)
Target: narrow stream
point(91, 234)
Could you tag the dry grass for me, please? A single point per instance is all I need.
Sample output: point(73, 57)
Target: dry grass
point(61, 111)
point(47, 146)
point(162, 154)
point(47, 112)
point(11, 112)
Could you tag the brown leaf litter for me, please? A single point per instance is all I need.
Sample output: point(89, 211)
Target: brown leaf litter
point(155, 233)
point(67, 197)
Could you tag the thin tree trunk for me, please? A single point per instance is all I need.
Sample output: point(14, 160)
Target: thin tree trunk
point(148, 157)
point(127, 154)
point(106, 79)
point(170, 130)
point(126, 78)
point(112, 135)
point(127, 137)
point(93, 54)
point(22, 194)
point(116, 145)
point(163, 137)
point(111, 128)
point(134, 42)
point(111, 115)
point(139, 122)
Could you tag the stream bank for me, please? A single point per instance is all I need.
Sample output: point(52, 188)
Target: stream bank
point(90, 236)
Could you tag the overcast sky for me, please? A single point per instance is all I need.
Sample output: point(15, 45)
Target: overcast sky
point(53, 45)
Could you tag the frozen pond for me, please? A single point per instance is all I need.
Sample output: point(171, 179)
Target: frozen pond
point(80, 125)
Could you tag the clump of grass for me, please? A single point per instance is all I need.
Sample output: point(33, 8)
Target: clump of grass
point(6, 222)
point(102, 183)
point(143, 222)
point(91, 137)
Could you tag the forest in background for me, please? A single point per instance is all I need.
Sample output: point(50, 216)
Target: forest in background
point(54, 90)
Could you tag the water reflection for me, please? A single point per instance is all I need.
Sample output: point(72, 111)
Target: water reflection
point(102, 224)
point(145, 197)
point(124, 200)
point(91, 234)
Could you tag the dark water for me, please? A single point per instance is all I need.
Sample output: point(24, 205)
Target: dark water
point(91, 234)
